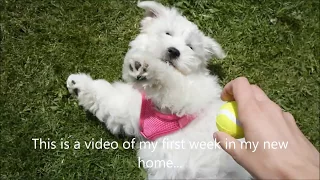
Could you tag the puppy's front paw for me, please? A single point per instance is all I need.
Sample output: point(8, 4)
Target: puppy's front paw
point(76, 82)
point(138, 69)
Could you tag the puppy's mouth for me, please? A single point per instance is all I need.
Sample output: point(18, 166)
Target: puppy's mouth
point(172, 62)
point(169, 62)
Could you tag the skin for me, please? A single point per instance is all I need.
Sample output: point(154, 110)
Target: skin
point(263, 120)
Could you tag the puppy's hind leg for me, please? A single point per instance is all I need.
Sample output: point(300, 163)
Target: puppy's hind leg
point(117, 105)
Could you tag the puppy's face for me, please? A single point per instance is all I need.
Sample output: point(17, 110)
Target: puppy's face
point(172, 38)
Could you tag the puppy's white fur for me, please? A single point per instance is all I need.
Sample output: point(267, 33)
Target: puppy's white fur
point(182, 86)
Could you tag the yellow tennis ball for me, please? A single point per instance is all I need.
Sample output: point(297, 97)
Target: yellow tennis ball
point(227, 120)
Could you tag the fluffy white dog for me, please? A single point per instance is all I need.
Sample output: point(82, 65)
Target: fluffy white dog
point(169, 98)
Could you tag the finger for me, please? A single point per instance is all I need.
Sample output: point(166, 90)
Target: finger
point(264, 99)
point(271, 109)
point(290, 121)
point(231, 146)
point(259, 94)
point(239, 90)
point(289, 118)
point(296, 131)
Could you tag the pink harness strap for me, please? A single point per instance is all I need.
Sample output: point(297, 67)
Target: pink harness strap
point(154, 124)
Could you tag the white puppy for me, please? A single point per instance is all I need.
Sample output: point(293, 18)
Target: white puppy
point(169, 99)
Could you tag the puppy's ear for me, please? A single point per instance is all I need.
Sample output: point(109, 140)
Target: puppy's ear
point(213, 48)
point(152, 10)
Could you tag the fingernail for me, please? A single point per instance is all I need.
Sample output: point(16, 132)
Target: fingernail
point(215, 135)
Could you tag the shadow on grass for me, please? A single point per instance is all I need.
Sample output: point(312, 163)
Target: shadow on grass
point(120, 136)
point(216, 69)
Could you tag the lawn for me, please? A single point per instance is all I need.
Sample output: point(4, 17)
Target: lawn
point(275, 44)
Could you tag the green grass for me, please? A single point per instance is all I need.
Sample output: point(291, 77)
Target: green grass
point(274, 44)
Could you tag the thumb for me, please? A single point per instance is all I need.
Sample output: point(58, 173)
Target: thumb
point(230, 145)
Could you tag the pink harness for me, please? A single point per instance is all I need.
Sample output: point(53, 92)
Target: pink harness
point(154, 124)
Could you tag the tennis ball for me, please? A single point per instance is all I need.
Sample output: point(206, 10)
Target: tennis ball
point(227, 120)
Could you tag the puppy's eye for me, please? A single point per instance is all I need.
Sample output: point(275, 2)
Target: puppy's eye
point(189, 45)
point(167, 33)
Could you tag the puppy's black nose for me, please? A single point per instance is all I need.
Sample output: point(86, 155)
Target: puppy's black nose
point(173, 52)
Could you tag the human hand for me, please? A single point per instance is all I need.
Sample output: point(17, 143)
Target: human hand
point(264, 121)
